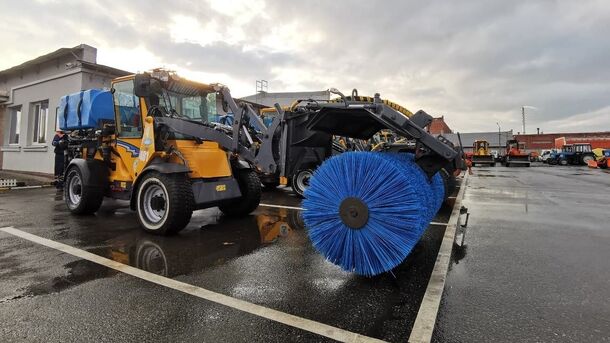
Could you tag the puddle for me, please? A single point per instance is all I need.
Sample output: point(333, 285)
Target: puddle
point(215, 243)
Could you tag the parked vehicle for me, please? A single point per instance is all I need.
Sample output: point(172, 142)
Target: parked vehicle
point(515, 154)
point(575, 154)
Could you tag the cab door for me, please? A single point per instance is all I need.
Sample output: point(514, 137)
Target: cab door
point(127, 111)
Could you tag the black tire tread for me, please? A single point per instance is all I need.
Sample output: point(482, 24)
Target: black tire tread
point(91, 197)
point(180, 191)
point(299, 192)
point(250, 188)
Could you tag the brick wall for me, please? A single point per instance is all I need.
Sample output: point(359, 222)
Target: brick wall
point(547, 140)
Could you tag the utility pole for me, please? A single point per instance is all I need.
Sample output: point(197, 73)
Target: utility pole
point(499, 138)
point(523, 117)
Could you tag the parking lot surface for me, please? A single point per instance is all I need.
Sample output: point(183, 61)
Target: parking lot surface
point(265, 259)
point(535, 268)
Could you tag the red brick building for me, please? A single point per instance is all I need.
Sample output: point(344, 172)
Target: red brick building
point(547, 140)
point(439, 127)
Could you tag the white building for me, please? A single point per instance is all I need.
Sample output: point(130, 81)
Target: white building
point(285, 98)
point(29, 96)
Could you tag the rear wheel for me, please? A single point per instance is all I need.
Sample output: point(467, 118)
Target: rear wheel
point(250, 188)
point(300, 181)
point(81, 198)
point(586, 158)
point(164, 203)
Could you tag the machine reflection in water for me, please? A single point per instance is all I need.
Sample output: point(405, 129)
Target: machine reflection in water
point(213, 245)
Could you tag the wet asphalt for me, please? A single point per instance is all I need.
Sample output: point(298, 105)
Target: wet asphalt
point(536, 263)
point(265, 258)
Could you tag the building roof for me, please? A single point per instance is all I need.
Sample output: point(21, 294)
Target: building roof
point(88, 63)
point(439, 126)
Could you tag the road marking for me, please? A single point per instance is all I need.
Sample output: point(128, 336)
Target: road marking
point(282, 206)
point(23, 187)
point(426, 317)
point(437, 223)
point(241, 305)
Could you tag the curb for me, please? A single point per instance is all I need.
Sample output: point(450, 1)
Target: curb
point(426, 316)
point(24, 187)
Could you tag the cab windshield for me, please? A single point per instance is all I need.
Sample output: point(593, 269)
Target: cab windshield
point(186, 100)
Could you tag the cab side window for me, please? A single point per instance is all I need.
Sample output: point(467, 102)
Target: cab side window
point(127, 110)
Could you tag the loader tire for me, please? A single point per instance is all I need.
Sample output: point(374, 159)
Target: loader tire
point(164, 203)
point(80, 198)
point(250, 188)
point(300, 181)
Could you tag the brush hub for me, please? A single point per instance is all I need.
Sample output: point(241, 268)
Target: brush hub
point(354, 213)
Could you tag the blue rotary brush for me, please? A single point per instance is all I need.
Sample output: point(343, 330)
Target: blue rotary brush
point(366, 211)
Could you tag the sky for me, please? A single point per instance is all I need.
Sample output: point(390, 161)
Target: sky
point(474, 62)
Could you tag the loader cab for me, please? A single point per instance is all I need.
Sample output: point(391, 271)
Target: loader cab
point(481, 148)
point(168, 95)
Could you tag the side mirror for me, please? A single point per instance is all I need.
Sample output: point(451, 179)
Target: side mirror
point(146, 86)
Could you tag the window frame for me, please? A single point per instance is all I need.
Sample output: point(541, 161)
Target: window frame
point(19, 113)
point(117, 112)
point(36, 109)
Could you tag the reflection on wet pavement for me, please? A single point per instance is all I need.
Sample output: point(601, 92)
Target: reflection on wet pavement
point(265, 258)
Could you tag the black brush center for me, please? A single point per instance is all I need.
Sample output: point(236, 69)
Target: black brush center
point(354, 213)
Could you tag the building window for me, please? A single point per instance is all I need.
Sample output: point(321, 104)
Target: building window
point(40, 111)
point(15, 124)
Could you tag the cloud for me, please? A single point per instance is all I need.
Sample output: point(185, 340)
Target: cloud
point(474, 62)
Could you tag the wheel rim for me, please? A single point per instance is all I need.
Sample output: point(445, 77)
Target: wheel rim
point(303, 180)
point(75, 189)
point(587, 158)
point(152, 259)
point(154, 203)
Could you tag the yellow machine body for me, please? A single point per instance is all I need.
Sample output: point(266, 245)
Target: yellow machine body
point(204, 160)
point(481, 153)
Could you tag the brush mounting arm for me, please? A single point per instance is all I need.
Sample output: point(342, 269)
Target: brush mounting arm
point(363, 120)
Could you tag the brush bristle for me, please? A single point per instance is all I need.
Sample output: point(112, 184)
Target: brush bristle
point(401, 201)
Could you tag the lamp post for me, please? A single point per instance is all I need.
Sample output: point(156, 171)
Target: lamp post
point(499, 138)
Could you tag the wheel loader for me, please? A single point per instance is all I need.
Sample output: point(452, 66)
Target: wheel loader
point(150, 140)
point(514, 154)
point(481, 154)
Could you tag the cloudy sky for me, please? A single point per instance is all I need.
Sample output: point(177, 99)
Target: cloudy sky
point(475, 62)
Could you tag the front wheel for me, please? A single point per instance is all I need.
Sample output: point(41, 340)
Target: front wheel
point(563, 162)
point(250, 188)
point(81, 198)
point(300, 181)
point(164, 203)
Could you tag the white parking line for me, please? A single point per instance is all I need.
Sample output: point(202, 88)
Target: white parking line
point(282, 206)
point(258, 310)
point(426, 317)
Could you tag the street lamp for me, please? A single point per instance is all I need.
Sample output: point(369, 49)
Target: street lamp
point(499, 138)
